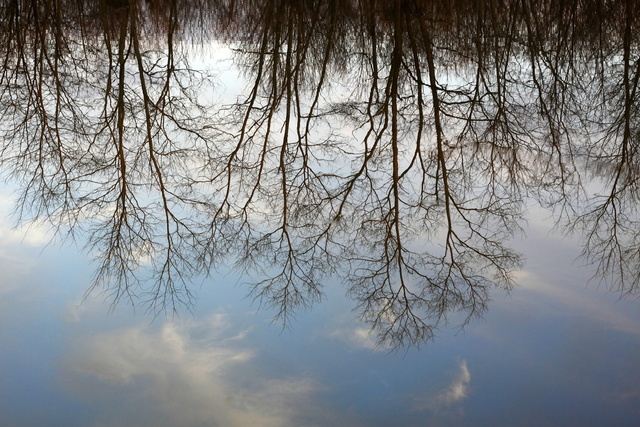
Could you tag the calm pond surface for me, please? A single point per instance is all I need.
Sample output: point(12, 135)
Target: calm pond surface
point(319, 213)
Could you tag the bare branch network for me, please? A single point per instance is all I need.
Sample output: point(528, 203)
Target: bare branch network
point(394, 145)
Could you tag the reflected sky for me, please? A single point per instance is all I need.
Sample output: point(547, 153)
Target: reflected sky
point(372, 164)
point(556, 351)
point(392, 147)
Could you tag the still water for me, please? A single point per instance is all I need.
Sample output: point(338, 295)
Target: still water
point(319, 213)
point(555, 352)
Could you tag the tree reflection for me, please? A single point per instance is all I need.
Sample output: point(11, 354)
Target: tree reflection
point(391, 144)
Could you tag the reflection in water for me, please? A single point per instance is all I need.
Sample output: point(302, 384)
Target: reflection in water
point(180, 379)
point(393, 144)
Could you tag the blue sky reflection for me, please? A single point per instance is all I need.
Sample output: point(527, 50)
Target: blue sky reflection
point(554, 352)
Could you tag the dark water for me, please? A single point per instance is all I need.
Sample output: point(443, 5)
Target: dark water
point(437, 202)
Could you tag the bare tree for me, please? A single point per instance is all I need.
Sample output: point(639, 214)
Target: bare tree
point(393, 145)
point(102, 133)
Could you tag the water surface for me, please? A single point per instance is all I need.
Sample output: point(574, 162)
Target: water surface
point(319, 213)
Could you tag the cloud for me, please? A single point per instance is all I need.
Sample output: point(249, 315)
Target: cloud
point(458, 388)
point(73, 311)
point(358, 338)
point(577, 300)
point(449, 396)
point(31, 234)
point(184, 373)
point(20, 275)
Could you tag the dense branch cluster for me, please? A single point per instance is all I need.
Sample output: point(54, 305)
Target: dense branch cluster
point(393, 144)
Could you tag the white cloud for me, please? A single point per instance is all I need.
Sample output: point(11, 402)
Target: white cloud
point(452, 394)
point(34, 234)
point(18, 264)
point(358, 338)
point(458, 388)
point(577, 299)
point(73, 311)
point(185, 373)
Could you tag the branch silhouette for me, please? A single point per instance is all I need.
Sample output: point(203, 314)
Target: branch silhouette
point(393, 146)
